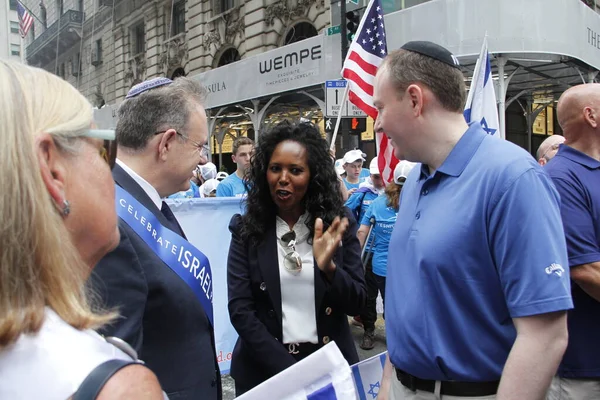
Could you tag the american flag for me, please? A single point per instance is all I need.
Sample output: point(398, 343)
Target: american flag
point(25, 19)
point(365, 55)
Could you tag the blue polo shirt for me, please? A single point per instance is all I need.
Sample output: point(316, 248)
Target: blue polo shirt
point(232, 186)
point(385, 218)
point(477, 243)
point(577, 179)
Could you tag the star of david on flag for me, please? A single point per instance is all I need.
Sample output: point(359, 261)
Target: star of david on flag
point(367, 376)
point(481, 101)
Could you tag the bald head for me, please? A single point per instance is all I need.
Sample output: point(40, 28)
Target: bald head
point(578, 111)
point(548, 148)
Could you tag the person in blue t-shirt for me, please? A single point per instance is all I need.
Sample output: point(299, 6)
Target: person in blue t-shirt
point(381, 214)
point(368, 191)
point(477, 287)
point(354, 173)
point(575, 171)
point(233, 185)
point(192, 192)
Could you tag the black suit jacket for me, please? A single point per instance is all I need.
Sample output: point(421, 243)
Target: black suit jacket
point(255, 304)
point(160, 316)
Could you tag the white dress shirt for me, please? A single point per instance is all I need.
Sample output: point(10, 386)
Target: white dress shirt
point(299, 319)
point(148, 188)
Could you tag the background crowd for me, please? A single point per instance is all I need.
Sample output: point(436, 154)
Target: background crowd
point(488, 261)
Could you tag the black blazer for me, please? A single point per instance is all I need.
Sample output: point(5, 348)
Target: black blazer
point(255, 304)
point(160, 316)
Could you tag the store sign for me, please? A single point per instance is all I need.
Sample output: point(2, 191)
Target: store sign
point(292, 67)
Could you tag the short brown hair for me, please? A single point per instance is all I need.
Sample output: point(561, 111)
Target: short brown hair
point(239, 142)
point(447, 83)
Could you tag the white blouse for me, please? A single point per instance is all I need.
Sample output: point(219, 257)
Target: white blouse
point(52, 363)
point(299, 318)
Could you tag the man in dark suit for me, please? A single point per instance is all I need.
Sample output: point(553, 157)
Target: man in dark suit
point(161, 134)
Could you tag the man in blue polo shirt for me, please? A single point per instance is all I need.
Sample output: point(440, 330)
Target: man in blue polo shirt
point(575, 171)
point(477, 282)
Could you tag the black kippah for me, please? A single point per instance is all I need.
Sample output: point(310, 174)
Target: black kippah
point(435, 51)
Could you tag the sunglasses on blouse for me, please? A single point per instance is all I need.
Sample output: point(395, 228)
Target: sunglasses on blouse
point(109, 148)
point(292, 261)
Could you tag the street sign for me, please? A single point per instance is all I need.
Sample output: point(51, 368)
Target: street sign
point(334, 92)
point(333, 30)
point(329, 124)
point(352, 1)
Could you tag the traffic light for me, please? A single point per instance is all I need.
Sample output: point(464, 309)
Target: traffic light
point(358, 126)
point(353, 20)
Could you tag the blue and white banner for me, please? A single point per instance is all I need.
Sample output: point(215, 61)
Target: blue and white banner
point(367, 376)
point(189, 263)
point(481, 101)
point(205, 222)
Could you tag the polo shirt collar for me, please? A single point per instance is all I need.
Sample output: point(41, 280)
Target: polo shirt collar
point(577, 156)
point(461, 154)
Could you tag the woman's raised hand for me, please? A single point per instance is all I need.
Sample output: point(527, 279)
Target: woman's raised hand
point(326, 243)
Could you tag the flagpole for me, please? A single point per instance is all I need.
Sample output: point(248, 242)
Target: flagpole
point(339, 117)
point(31, 12)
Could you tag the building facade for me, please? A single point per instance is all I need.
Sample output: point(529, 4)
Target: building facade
point(104, 47)
point(10, 39)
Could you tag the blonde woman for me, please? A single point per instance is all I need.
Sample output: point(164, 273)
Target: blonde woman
point(58, 219)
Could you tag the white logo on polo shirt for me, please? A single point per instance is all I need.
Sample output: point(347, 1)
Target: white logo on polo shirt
point(555, 269)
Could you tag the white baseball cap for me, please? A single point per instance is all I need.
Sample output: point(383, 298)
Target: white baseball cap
point(208, 171)
point(354, 155)
point(402, 170)
point(209, 186)
point(339, 166)
point(222, 175)
point(373, 167)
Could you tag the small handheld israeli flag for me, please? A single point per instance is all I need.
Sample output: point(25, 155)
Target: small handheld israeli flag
point(367, 376)
point(481, 101)
point(323, 375)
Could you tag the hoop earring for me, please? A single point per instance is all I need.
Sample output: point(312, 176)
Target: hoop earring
point(66, 207)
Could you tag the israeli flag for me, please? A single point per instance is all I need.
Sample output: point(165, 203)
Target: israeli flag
point(324, 375)
point(481, 101)
point(367, 376)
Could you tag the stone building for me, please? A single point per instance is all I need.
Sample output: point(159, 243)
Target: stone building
point(264, 60)
point(127, 41)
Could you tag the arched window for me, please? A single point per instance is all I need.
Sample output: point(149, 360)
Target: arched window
point(300, 31)
point(229, 56)
point(177, 73)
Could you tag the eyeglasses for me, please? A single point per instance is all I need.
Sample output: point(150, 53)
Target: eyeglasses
point(292, 261)
point(203, 149)
point(109, 148)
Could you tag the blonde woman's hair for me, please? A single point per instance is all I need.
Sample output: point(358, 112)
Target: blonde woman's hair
point(39, 265)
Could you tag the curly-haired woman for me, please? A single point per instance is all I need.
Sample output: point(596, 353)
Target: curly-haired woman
point(294, 269)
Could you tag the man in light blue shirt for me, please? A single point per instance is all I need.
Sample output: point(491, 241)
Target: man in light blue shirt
point(233, 185)
point(478, 279)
